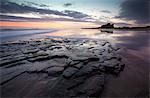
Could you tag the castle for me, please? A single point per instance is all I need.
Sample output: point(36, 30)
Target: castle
point(108, 25)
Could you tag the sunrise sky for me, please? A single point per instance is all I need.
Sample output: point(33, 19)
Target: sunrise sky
point(73, 13)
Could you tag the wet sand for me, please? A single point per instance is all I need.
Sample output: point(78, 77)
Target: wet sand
point(132, 82)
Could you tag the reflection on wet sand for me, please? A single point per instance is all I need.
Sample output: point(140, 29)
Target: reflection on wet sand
point(136, 41)
point(115, 36)
point(107, 30)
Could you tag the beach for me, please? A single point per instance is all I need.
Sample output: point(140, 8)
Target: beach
point(76, 63)
point(74, 48)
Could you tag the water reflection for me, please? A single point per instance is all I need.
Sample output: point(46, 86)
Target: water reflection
point(130, 39)
point(137, 41)
point(82, 33)
point(107, 30)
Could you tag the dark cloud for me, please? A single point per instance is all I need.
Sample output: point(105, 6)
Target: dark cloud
point(25, 19)
point(75, 14)
point(67, 4)
point(34, 4)
point(105, 11)
point(122, 24)
point(16, 18)
point(11, 7)
point(137, 10)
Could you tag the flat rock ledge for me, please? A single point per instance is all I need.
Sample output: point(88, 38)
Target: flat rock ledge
point(79, 66)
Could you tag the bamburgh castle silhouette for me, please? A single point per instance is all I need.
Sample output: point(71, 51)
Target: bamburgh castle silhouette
point(108, 25)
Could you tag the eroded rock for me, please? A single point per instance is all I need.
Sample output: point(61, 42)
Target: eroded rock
point(77, 65)
point(69, 72)
point(55, 70)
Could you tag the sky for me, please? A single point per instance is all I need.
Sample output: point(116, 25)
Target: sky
point(73, 13)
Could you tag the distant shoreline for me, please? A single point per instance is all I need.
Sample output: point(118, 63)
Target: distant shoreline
point(123, 28)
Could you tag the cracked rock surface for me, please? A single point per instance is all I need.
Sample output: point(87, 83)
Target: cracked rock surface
point(78, 66)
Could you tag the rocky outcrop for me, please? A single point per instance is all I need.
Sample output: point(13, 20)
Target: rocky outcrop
point(79, 66)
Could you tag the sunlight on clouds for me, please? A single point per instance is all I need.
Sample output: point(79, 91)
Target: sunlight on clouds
point(49, 24)
point(117, 20)
point(26, 15)
point(55, 16)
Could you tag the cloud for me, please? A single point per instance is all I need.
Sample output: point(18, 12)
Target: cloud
point(136, 10)
point(122, 24)
point(35, 4)
point(11, 7)
point(105, 11)
point(76, 14)
point(67, 4)
point(8, 7)
point(27, 19)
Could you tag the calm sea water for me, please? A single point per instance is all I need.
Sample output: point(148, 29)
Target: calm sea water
point(21, 34)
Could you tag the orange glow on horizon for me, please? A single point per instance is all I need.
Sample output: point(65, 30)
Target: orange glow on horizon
point(49, 24)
